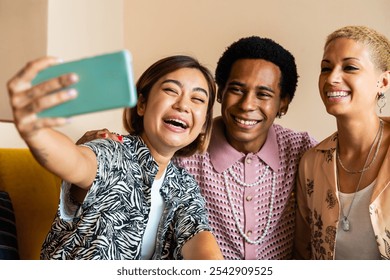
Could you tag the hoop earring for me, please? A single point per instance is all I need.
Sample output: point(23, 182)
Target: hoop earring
point(381, 101)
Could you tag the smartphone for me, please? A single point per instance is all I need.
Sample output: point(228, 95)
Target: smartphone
point(105, 82)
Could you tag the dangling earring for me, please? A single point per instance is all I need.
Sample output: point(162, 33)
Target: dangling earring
point(381, 101)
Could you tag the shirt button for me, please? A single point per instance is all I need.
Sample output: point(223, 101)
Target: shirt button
point(248, 160)
point(249, 198)
point(249, 233)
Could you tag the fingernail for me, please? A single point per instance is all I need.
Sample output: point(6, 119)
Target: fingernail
point(104, 135)
point(120, 138)
point(73, 78)
point(72, 92)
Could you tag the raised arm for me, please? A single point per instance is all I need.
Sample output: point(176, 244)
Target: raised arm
point(52, 149)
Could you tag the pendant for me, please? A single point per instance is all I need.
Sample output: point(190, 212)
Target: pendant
point(345, 224)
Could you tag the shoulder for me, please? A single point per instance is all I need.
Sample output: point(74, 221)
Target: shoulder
point(324, 148)
point(181, 180)
point(287, 136)
point(114, 153)
point(284, 132)
point(182, 174)
point(192, 161)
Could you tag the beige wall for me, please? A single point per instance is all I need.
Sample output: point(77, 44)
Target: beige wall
point(202, 28)
point(69, 29)
point(22, 26)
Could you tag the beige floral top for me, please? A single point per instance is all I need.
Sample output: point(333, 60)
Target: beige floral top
point(318, 204)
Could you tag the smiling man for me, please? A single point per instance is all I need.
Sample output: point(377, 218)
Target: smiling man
point(247, 176)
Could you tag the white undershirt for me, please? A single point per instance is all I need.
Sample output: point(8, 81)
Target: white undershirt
point(156, 210)
point(359, 242)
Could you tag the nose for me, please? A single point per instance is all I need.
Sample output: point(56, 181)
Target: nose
point(248, 101)
point(333, 77)
point(181, 104)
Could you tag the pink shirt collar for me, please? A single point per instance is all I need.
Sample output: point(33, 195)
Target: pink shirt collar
point(223, 155)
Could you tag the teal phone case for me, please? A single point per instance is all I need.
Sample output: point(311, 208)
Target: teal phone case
point(105, 82)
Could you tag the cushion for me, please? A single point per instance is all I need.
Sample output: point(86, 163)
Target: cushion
point(8, 239)
point(34, 192)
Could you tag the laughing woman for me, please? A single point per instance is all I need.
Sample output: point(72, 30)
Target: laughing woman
point(131, 201)
point(344, 182)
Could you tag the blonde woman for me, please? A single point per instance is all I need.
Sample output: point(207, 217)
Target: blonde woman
point(344, 182)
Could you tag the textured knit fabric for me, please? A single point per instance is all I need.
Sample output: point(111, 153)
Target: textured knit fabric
point(281, 152)
point(111, 221)
point(319, 205)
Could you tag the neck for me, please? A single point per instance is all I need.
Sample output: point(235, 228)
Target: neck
point(357, 136)
point(246, 147)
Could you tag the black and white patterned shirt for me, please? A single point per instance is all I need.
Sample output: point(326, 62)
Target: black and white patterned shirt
point(111, 221)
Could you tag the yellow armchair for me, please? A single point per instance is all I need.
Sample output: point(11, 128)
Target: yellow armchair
point(34, 193)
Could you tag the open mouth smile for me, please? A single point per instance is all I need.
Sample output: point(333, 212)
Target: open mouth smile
point(245, 122)
point(335, 94)
point(177, 123)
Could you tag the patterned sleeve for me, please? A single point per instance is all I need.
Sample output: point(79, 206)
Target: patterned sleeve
point(107, 154)
point(302, 226)
point(191, 218)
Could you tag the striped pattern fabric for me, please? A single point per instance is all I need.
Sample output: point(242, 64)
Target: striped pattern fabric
point(8, 240)
point(111, 221)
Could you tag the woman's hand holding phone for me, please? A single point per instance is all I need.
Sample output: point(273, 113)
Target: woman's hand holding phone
point(27, 100)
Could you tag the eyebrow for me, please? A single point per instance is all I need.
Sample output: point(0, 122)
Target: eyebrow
point(176, 82)
point(344, 59)
point(235, 83)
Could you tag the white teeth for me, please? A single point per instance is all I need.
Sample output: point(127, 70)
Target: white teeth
point(183, 124)
point(337, 93)
point(244, 122)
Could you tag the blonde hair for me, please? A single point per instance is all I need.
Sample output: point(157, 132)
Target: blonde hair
point(377, 43)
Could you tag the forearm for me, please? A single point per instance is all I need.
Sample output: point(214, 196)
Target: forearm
point(58, 154)
point(51, 149)
point(203, 246)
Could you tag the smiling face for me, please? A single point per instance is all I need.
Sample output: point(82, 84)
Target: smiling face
point(175, 111)
point(250, 102)
point(348, 82)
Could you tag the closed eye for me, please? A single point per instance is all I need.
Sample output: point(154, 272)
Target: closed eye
point(350, 68)
point(199, 99)
point(171, 91)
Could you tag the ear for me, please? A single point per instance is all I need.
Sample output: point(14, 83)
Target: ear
point(141, 105)
point(219, 95)
point(283, 107)
point(384, 81)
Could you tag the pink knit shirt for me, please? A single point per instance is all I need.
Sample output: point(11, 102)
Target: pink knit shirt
point(281, 152)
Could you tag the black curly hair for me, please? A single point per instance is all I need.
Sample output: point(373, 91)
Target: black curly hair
point(259, 48)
